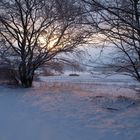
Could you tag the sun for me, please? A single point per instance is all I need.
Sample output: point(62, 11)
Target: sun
point(49, 43)
point(42, 40)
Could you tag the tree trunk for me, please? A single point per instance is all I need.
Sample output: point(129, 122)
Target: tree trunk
point(26, 76)
point(26, 81)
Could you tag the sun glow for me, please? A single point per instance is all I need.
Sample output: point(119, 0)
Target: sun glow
point(42, 40)
point(48, 43)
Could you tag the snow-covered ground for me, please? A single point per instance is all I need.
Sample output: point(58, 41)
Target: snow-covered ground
point(86, 107)
point(97, 78)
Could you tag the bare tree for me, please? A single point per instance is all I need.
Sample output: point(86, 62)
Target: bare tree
point(35, 31)
point(119, 22)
